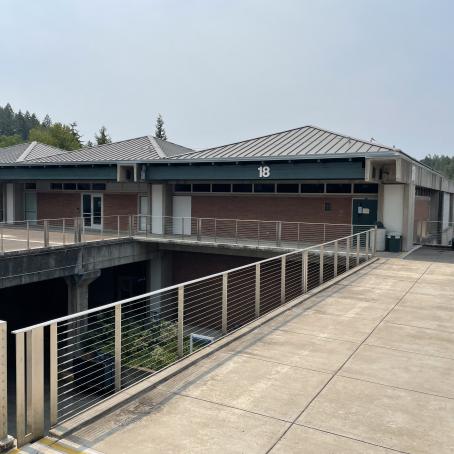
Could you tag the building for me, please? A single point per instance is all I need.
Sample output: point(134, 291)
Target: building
point(305, 174)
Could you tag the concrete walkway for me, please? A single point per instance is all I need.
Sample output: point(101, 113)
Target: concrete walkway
point(366, 366)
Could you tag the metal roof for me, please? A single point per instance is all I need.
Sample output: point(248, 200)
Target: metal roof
point(25, 152)
point(141, 149)
point(304, 141)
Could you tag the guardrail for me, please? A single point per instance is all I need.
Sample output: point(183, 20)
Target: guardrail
point(434, 233)
point(99, 352)
point(26, 235)
point(6, 442)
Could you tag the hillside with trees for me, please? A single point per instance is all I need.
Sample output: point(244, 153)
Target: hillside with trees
point(442, 163)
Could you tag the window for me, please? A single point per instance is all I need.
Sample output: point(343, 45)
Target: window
point(69, 186)
point(261, 188)
point(364, 188)
point(328, 206)
point(56, 186)
point(339, 188)
point(182, 188)
point(99, 186)
point(288, 188)
point(221, 188)
point(30, 186)
point(83, 186)
point(241, 187)
point(201, 187)
point(313, 188)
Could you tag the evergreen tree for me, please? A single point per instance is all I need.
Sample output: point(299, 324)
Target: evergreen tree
point(47, 122)
point(57, 135)
point(8, 141)
point(21, 125)
point(441, 163)
point(89, 144)
point(103, 138)
point(160, 132)
point(7, 121)
point(74, 131)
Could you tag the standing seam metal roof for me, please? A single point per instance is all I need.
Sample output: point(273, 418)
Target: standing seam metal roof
point(308, 140)
point(26, 152)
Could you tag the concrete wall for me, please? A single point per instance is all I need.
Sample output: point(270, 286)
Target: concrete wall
point(303, 209)
point(393, 207)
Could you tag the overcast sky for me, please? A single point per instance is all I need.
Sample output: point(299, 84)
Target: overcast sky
point(222, 71)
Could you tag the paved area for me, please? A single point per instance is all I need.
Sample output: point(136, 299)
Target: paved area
point(366, 366)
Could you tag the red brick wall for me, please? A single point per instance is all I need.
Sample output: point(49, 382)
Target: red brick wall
point(54, 205)
point(119, 204)
point(422, 208)
point(303, 209)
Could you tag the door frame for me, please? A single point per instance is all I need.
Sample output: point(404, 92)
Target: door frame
point(362, 198)
point(92, 195)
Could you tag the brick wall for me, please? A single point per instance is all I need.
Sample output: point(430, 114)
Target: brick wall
point(119, 204)
point(54, 205)
point(303, 209)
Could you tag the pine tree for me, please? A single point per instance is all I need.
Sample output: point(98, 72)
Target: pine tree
point(103, 138)
point(74, 131)
point(160, 132)
point(47, 122)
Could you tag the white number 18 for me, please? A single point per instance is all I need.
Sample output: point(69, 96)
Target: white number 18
point(264, 171)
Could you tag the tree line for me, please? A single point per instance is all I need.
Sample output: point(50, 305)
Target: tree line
point(19, 127)
point(442, 163)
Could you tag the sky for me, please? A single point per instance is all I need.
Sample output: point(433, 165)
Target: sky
point(220, 71)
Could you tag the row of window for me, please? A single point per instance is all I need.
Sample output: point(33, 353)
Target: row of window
point(78, 186)
point(280, 188)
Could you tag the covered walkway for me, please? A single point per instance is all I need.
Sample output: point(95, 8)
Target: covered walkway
point(366, 366)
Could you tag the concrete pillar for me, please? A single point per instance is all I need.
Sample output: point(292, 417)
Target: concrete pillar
point(78, 290)
point(408, 221)
point(158, 276)
point(9, 202)
point(161, 206)
point(14, 202)
point(446, 233)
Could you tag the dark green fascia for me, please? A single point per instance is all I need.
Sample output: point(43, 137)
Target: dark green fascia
point(59, 173)
point(331, 170)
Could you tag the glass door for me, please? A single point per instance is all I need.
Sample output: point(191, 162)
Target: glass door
point(92, 210)
point(30, 206)
point(143, 212)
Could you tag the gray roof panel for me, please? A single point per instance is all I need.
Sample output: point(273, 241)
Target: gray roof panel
point(28, 151)
point(305, 141)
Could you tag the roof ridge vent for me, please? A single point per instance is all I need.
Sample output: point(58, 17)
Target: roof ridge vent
point(27, 151)
point(156, 146)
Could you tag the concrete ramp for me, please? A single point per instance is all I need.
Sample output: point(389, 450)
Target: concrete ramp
point(365, 366)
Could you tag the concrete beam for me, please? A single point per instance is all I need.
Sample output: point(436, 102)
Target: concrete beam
point(78, 290)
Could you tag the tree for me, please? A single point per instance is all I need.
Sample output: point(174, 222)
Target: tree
point(89, 144)
point(7, 121)
point(7, 141)
point(103, 138)
point(160, 132)
point(441, 163)
point(74, 131)
point(57, 135)
point(47, 122)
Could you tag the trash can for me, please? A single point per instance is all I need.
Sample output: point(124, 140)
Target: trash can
point(393, 242)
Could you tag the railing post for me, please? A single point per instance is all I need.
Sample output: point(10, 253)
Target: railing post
point(279, 233)
point(77, 227)
point(180, 321)
point(53, 385)
point(199, 229)
point(374, 250)
point(283, 266)
point(367, 245)
point(225, 277)
point(118, 226)
point(324, 232)
point(64, 231)
point(46, 233)
point(21, 420)
point(118, 347)
point(347, 255)
point(6, 442)
point(2, 248)
point(182, 227)
point(215, 229)
point(236, 231)
point(336, 252)
point(129, 226)
point(358, 245)
point(257, 290)
point(321, 271)
point(28, 235)
point(258, 233)
point(35, 381)
point(305, 266)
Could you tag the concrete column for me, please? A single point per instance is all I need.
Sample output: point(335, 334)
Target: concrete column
point(446, 234)
point(9, 202)
point(158, 276)
point(78, 290)
point(161, 206)
point(408, 221)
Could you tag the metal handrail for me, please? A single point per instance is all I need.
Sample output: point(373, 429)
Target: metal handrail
point(171, 319)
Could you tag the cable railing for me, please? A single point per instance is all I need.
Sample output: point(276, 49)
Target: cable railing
point(436, 233)
point(27, 235)
point(89, 356)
